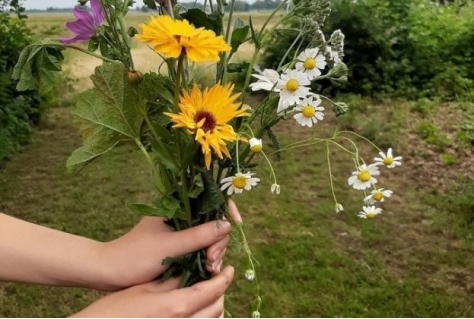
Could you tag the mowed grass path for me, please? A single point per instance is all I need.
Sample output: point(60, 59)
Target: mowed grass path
point(313, 262)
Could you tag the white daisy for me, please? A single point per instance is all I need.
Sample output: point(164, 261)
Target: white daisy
point(339, 208)
point(378, 195)
point(363, 177)
point(275, 189)
point(388, 160)
point(267, 80)
point(309, 111)
point(255, 145)
point(293, 87)
point(311, 62)
point(236, 184)
point(369, 212)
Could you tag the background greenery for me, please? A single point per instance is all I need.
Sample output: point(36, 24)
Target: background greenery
point(413, 261)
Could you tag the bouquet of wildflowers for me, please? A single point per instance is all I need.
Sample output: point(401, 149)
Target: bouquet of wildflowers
point(202, 143)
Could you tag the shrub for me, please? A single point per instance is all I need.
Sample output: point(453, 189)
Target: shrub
point(407, 48)
point(17, 111)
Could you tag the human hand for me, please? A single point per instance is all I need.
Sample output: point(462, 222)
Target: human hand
point(203, 300)
point(136, 258)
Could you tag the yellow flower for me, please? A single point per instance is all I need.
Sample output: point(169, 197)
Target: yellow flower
point(171, 38)
point(206, 115)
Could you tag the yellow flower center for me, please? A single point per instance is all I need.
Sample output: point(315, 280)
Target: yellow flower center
point(309, 64)
point(377, 196)
point(292, 85)
point(308, 111)
point(364, 176)
point(370, 215)
point(205, 120)
point(387, 161)
point(239, 182)
point(256, 148)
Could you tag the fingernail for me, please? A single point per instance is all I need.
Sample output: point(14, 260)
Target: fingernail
point(216, 254)
point(215, 266)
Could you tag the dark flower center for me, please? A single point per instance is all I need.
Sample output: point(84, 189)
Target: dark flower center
point(209, 122)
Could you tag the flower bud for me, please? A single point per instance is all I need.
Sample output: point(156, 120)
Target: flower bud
point(255, 145)
point(340, 108)
point(250, 274)
point(339, 208)
point(256, 314)
point(338, 71)
point(275, 189)
point(134, 77)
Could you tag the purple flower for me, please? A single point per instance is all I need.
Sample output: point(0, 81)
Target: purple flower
point(86, 24)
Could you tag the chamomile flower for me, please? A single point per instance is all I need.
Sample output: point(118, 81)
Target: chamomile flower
point(378, 195)
point(311, 62)
point(339, 208)
point(369, 212)
point(293, 87)
point(267, 80)
point(309, 111)
point(388, 159)
point(250, 274)
point(236, 184)
point(275, 189)
point(363, 177)
point(255, 145)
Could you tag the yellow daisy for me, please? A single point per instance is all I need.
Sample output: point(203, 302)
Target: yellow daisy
point(206, 115)
point(171, 38)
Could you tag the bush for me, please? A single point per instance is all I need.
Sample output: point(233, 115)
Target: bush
point(17, 111)
point(408, 48)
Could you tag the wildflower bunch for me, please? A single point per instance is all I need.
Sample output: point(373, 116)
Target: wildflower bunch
point(202, 143)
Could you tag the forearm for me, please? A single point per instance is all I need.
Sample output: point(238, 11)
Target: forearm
point(34, 254)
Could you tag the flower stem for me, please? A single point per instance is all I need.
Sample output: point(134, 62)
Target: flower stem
point(330, 173)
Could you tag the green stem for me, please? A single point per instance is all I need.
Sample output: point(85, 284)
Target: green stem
point(126, 39)
point(330, 173)
point(91, 53)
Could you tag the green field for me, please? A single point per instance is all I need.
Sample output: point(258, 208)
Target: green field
point(413, 261)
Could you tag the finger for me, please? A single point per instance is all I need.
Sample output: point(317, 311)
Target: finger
point(234, 212)
point(168, 285)
point(214, 251)
point(215, 266)
point(198, 237)
point(213, 311)
point(201, 295)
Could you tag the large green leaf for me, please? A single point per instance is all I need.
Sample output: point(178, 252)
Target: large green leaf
point(202, 20)
point(107, 115)
point(239, 34)
point(37, 64)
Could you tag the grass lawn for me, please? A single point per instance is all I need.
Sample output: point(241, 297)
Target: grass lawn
point(413, 261)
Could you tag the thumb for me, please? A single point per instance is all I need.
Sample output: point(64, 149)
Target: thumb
point(198, 237)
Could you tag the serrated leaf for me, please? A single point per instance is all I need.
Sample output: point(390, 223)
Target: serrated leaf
point(202, 20)
point(150, 4)
point(238, 37)
point(106, 115)
point(212, 197)
point(37, 64)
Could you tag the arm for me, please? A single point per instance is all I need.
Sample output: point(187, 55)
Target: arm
point(35, 254)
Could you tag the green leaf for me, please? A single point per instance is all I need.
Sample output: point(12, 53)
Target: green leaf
point(169, 206)
point(93, 45)
point(144, 209)
point(197, 187)
point(165, 155)
point(202, 20)
point(106, 115)
point(150, 4)
point(189, 152)
point(237, 67)
point(212, 197)
point(157, 87)
point(37, 64)
point(238, 35)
